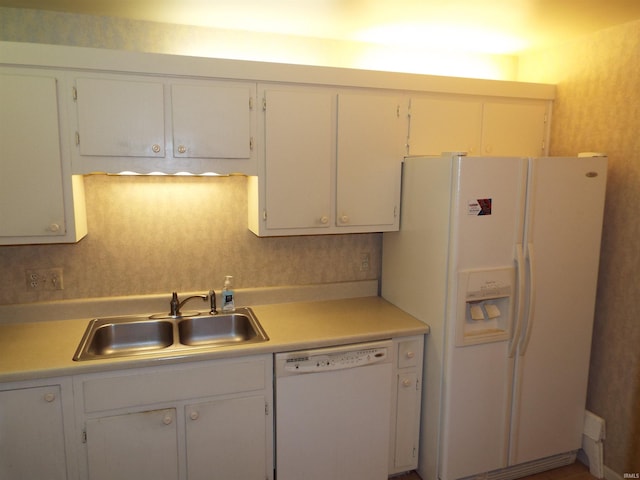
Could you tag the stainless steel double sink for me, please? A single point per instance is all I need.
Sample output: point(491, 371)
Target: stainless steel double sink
point(132, 336)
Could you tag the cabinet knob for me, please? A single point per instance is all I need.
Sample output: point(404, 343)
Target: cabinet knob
point(182, 149)
point(406, 383)
point(156, 148)
point(54, 227)
point(194, 415)
point(344, 219)
point(167, 420)
point(324, 219)
point(410, 354)
point(49, 397)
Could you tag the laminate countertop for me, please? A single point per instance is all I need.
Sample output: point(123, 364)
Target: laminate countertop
point(36, 350)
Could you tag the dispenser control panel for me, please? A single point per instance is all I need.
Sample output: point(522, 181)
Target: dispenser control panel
point(484, 305)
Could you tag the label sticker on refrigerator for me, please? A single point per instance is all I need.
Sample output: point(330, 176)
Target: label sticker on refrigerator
point(481, 206)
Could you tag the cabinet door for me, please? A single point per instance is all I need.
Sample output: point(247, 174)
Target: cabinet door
point(299, 153)
point(120, 117)
point(372, 132)
point(407, 420)
point(211, 121)
point(140, 446)
point(31, 434)
point(514, 128)
point(444, 125)
point(227, 439)
point(31, 185)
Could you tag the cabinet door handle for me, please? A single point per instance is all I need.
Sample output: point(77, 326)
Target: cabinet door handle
point(49, 397)
point(156, 148)
point(410, 354)
point(167, 420)
point(324, 220)
point(194, 415)
point(182, 149)
point(344, 219)
point(406, 383)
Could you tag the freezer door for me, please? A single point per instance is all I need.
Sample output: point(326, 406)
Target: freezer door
point(487, 224)
point(564, 224)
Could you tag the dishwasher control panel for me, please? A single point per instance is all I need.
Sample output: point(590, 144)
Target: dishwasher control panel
point(308, 362)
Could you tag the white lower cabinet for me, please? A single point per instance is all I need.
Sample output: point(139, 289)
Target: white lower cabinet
point(134, 445)
point(204, 420)
point(226, 439)
point(406, 398)
point(33, 444)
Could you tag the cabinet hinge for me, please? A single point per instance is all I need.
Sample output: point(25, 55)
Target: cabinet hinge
point(264, 215)
point(264, 104)
point(395, 211)
point(251, 143)
point(413, 454)
point(250, 103)
point(84, 436)
point(74, 93)
point(77, 138)
point(398, 111)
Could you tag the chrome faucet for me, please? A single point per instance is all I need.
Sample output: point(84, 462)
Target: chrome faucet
point(176, 305)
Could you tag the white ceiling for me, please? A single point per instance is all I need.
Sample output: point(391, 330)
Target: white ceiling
point(489, 26)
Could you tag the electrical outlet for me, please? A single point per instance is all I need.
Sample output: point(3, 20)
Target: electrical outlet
point(44, 279)
point(365, 261)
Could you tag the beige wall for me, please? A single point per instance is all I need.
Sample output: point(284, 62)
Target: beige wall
point(597, 109)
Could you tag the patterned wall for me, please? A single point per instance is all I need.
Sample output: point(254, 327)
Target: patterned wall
point(158, 234)
point(597, 109)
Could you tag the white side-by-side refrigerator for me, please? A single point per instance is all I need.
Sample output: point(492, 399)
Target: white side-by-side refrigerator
point(500, 257)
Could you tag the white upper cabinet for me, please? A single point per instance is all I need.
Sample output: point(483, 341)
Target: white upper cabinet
point(372, 133)
point(299, 152)
point(445, 125)
point(331, 162)
point(211, 120)
point(40, 202)
point(478, 126)
point(120, 118)
point(514, 128)
point(150, 124)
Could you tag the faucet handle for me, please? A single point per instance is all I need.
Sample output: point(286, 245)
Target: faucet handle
point(212, 298)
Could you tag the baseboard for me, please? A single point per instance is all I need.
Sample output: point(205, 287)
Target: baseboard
point(611, 475)
point(527, 469)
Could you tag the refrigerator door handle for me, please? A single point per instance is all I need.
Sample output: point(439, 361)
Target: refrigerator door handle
point(524, 342)
point(520, 269)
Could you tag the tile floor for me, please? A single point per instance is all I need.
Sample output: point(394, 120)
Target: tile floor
point(575, 471)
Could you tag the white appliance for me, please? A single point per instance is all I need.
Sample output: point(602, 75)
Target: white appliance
point(333, 412)
point(500, 257)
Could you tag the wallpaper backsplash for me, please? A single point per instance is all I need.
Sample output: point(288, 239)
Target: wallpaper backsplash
point(597, 110)
point(158, 234)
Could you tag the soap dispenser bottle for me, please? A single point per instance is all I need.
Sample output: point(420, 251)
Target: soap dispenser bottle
point(228, 303)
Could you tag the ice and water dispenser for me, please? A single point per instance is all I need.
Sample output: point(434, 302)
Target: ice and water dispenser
point(485, 305)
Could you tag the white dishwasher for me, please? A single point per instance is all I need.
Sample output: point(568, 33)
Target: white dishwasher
point(333, 412)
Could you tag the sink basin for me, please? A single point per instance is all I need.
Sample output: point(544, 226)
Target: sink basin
point(237, 327)
point(144, 335)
